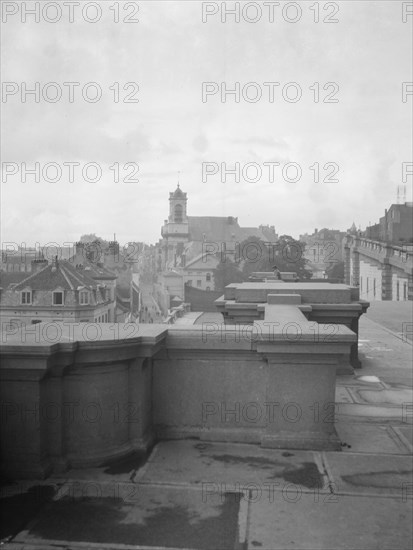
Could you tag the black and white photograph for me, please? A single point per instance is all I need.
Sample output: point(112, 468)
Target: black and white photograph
point(206, 277)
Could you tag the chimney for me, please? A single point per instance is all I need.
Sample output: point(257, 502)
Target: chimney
point(37, 265)
point(55, 264)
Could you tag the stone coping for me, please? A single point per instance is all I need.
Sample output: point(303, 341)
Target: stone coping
point(260, 306)
point(325, 293)
point(290, 286)
point(207, 336)
point(58, 332)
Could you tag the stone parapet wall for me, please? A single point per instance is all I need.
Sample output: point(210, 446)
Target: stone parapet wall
point(371, 280)
point(331, 304)
point(84, 394)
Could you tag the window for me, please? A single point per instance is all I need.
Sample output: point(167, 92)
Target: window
point(208, 288)
point(199, 283)
point(84, 297)
point(178, 213)
point(361, 284)
point(208, 276)
point(189, 283)
point(57, 298)
point(405, 291)
point(26, 297)
point(374, 287)
point(398, 291)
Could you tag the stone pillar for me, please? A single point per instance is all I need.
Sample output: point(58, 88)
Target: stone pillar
point(23, 429)
point(354, 352)
point(347, 268)
point(356, 268)
point(410, 286)
point(301, 403)
point(302, 376)
point(386, 281)
point(140, 404)
point(57, 415)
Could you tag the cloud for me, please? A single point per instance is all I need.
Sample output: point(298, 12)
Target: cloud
point(169, 54)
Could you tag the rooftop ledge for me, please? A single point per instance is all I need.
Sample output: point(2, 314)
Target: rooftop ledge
point(287, 326)
point(160, 377)
point(54, 333)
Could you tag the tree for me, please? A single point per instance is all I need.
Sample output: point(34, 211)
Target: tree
point(89, 238)
point(335, 271)
point(287, 254)
point(226, 273)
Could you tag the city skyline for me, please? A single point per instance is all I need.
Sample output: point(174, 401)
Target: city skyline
point(29, 242)
point(184, 122)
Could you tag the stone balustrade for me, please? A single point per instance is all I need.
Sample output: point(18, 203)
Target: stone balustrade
point(391, 262)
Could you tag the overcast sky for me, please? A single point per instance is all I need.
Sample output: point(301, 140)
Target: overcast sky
point(169, 53)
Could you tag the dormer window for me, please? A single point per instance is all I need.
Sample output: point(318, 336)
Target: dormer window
point(57, 298)
point(26, 297)
point(84, 298)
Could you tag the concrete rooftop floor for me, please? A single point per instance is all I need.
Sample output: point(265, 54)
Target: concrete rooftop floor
point(216, 496)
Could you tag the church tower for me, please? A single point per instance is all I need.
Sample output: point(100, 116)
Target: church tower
point(175, 231)
point(177, 206)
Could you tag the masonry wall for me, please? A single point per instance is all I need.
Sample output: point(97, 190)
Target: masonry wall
point(201, 300)
point(387, 269)
point(81, 402)
point(370, 280)
point(39, 298)
point(33, 315)
point(399, 286)
point(227, 402)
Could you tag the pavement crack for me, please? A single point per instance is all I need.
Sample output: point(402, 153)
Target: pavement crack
point(327, 473)
point(330, 486)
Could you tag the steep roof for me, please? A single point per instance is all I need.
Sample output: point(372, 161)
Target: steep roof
point(221, 229)
point(177, 194)
point(93, 269)
point(97, 272)
point(63, 275)
point(203, 261)
point(11, 277)
point(253, 232)
point(214, 228)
